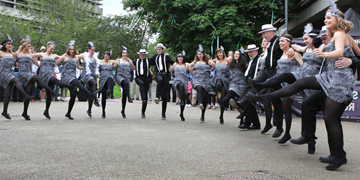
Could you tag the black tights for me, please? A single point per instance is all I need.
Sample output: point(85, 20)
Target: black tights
point(8, 92)
point(221, 88)
point(91, 86)
point(125, 94)
point(277, 80)
point(182, 93)
point(107, 87)
point(73, 91)
point(202, 98)
point(287, 102)
point(225, 100)
point(52, 82)
point(41, 83)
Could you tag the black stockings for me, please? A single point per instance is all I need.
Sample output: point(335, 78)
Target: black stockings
point(276, 80)
point(202, 98)
point(287, 103)
point(125, 88)
point(8, 92)
point(91, 86)
point(182, 93)
point(107, 88)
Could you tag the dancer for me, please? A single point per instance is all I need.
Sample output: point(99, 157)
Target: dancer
point(201, 81)
point(338, 84)
point(123, 77)
point(7, 79)
point(162, 77)
point(238, 83)
point(142, 67)
point(106, 81)
point(27, 77)
point(90, 73)
point(68, 75)
point(46, 71)
point(222, 78)
point(180, 82)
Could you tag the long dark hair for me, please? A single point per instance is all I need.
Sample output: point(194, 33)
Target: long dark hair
point(3, 44)
point(316, 40)
point(241, 64)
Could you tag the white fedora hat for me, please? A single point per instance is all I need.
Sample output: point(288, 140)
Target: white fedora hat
point(142, 51)
point(251, 47)
point(160, 45)
point(267, 27)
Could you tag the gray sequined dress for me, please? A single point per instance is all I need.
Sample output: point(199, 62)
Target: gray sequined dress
point(85, 76)
point(6, 71)
point(222, 72)
point(47, 69)
point(123, 73)
point(68, 73)
point(202, 76)
point(106, 72)
point(338, 84)
point(286, 66)
point(180, 74)
point(25, 72)
point(238, 82)
point(310, 67)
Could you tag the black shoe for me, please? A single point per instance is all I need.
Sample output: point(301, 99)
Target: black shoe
point(234, 104)
point(130, 100)
point(266, 129)
point(277, 133)
point(103, 116)
point(311, 147)
point(202, 119)
point(163, 116)
point(88, 114)
point(253, 85)
point(253, 127)
point(182, 117)
point(302, 140)
point(239, 116)
point(69, 116)
point(328, 159)
point(243, 126)
point(336, 164)
point(27, 117)
point(284, 139)
point(221, 120)
point(123, 114)
point(7, 116)
point(96, 103)
point(143, 115)
point(46, 114)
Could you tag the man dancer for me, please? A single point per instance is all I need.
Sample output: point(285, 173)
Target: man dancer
point(162, 63)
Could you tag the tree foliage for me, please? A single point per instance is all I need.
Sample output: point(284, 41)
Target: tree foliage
point(183, 24)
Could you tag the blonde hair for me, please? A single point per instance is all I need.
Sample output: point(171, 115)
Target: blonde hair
point(22, 46)
point(342, 24)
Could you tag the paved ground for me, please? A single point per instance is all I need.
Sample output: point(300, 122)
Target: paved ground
point(135, 148)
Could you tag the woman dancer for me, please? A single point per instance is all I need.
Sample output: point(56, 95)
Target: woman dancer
point(222, 78)
point(338, 84)
point(201, 81)
point(7, 78)
point(180, 82)
point(68, 76)
point(142, 71)
point(106, 81)
point(90, 73)
point(238, 83)
point(47, 73)
point(123, 77)
point(25, 60)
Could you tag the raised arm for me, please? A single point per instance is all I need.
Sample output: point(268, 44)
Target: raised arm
point(298, 48)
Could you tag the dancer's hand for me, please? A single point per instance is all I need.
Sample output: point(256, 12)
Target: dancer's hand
point(290, 53)
point(343, 62)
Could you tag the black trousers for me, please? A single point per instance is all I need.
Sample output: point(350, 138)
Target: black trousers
point(277, 103)
point(162, 88)
point(144, 87)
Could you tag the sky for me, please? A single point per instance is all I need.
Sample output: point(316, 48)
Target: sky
point(113, 7)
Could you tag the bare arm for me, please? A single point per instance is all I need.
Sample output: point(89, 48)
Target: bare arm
point(298, 48)
point(339, 39)
point(35, 62)
point(211, 63)
point(172, 67)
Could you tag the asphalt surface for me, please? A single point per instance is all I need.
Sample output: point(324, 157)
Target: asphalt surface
point(151, 148)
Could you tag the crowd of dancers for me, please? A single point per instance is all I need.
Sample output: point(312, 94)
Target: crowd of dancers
point(322, 72)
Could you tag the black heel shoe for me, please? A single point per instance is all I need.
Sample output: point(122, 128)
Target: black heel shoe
point(202, 119)
point(221, 120)
point(266, 129)
point(123, 114)
point(336, 164)
point(103, 116)
point(69, 116)
point(311, 147)
point(143, 115)
point(46, 114)
point(182, 117)
point(302, 140)
point(284, 139)
point(96, 103)
point(27, 117)
point(88, 112)
point(7, 116)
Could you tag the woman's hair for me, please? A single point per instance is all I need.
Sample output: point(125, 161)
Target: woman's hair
point(289, 36)
point(50, 43)
point(342, 24)
point(176, 60)
point(22, 46)
point(121, 52)
point(68, 51)
point(107, 53)
point(242, 63)
point(3, 44)
point(316, 41)
point(220, 50)
point(205, 56)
